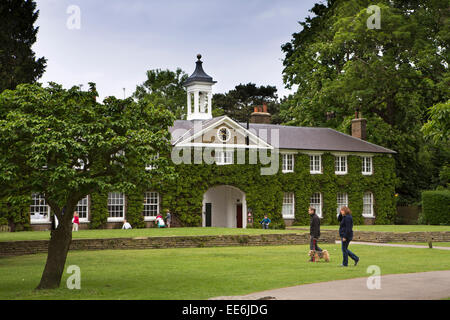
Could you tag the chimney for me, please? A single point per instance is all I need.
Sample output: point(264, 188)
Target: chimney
point(359, 126)
point(260, 115)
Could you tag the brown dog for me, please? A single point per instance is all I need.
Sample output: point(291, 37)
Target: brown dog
point(317, 255)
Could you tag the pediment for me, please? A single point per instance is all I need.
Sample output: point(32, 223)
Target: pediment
point(224, 133)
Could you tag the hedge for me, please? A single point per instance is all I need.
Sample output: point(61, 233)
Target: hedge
point(436, 207)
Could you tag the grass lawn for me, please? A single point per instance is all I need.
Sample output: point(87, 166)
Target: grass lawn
point(387, 228)
point(201, 273)
point(149, 232)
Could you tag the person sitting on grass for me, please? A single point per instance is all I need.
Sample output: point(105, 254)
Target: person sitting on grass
point(265, 222)
point(160, 221)
point(126, 225)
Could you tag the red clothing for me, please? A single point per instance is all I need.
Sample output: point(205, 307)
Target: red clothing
point(76, 220)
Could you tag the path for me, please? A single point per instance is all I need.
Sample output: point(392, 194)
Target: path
point(411, 286)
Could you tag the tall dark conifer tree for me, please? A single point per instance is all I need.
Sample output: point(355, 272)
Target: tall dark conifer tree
point(18, 63)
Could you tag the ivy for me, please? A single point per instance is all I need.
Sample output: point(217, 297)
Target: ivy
point(16, 211)
point(264, 194)
point(99, 210)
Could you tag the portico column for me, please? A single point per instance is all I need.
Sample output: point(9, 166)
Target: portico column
point(210, 104)
point(189, 105)
point(196, 102)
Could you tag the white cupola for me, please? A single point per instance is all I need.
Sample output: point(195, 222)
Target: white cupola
point(199, 93)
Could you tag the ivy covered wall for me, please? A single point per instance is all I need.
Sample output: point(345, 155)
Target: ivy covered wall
point(264, 194)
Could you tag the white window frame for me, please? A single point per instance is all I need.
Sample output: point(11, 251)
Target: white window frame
point(288, 208)
point(287, 162)
point(224, 157)
point(42, 207)
point(365, 160)
point(318, 206)
point(368, 196)
point(313, 163)
point(83, 203)
point(148, 197)
point(341, 200)
point(116, 202)
point(340, 161)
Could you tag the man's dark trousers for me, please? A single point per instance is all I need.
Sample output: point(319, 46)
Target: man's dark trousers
point(313, 244)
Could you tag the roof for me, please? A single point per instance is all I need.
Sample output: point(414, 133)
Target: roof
point(290, 137)
point(199, 74)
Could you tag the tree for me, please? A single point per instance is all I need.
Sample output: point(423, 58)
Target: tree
point(239, 102)
point(438, 127)
point(65, 145)
point(18, 63)
point(392, 74)
point(167, 86)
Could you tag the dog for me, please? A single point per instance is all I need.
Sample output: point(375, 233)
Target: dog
point(317, 255)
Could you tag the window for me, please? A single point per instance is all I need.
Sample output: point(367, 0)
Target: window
point(315, 164)
point(83, 209)
point(116, 206)
point(224, 157)
point(288, 206)
point(316, 202)
point(288, 163)
point(368, 205)
point(342, 201)
point(224, 134)
point(39, 210)
point(340, 165)
point(151, 205)
point(367, 165)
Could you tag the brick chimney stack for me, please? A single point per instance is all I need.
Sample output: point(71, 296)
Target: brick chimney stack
point(359, 126)
point(260, 115)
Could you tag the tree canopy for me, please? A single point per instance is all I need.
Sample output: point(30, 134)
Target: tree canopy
point(167, 87)
point(18, 63)
point(392, 75)
point(238, 103)
point(65, 145)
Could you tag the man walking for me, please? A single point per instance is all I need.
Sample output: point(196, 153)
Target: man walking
point(314, 231)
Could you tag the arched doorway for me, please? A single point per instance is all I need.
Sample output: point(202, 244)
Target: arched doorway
point(224, 206)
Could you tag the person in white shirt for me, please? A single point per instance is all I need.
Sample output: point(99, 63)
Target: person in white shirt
point(126, 225)
point(160, 221)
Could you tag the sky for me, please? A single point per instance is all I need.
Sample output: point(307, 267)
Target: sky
point(114, 42)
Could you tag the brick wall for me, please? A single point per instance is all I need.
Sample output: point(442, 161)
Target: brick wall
point(14, 248)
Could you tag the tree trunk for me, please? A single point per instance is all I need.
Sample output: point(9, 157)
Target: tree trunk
point(58, 248)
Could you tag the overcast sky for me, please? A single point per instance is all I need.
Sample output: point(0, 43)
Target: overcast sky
point(118, 40)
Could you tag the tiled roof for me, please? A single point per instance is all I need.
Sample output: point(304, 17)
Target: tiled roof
point(290, 137)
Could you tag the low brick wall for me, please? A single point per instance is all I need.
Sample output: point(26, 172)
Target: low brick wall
point(383, 237)
point(15, 248)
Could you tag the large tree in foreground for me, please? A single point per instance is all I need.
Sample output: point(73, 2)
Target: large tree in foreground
point(65, 145)
point(392, 74)
point(18, 63)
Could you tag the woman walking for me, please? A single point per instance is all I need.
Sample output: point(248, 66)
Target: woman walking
point(346, 235)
